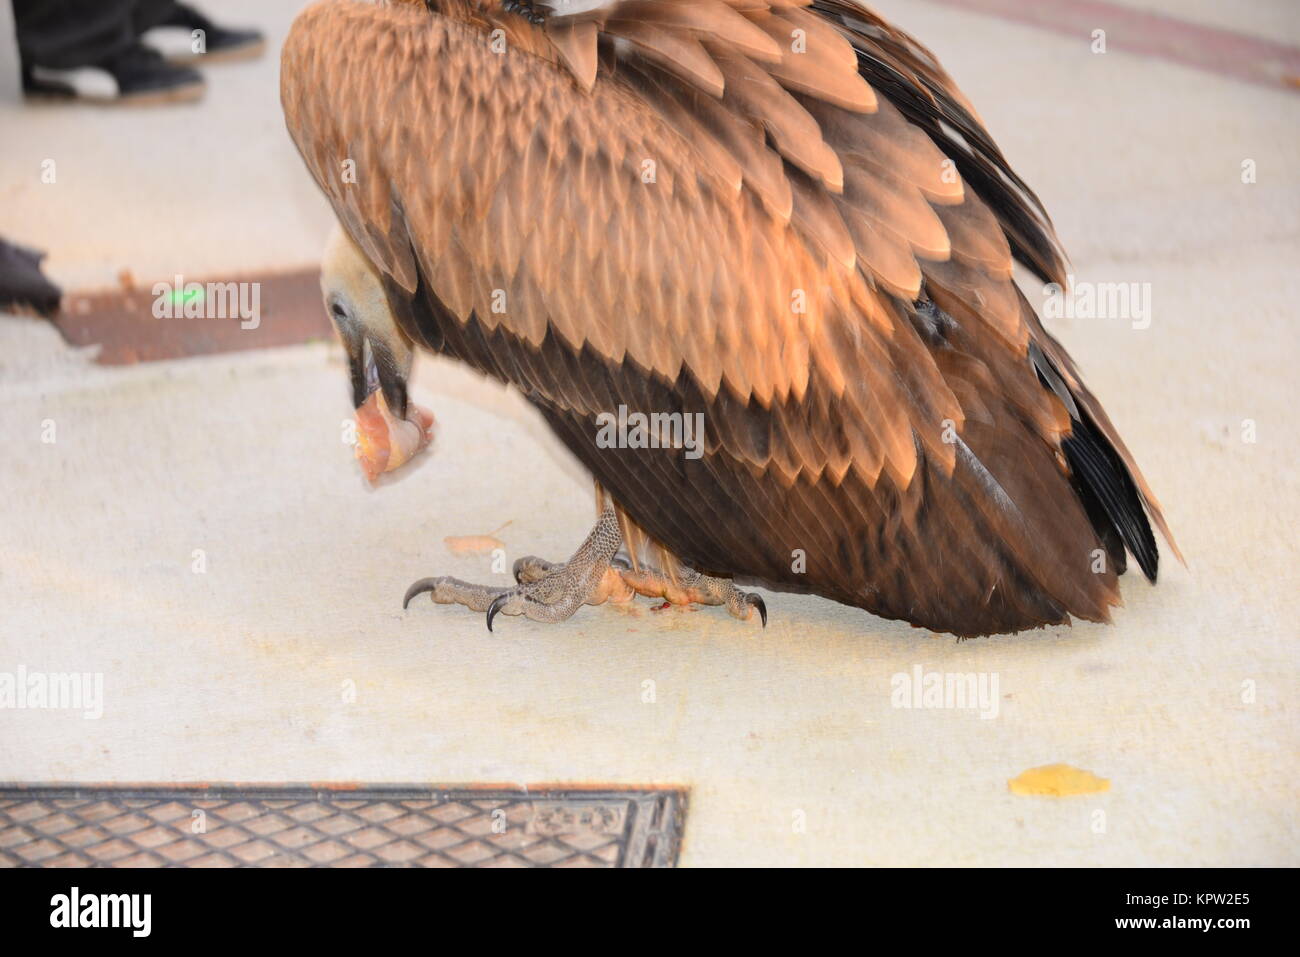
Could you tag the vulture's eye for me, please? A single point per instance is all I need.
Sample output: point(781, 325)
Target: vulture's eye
point(339, 312)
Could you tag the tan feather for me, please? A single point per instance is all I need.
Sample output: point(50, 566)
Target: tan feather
point(817, 60)
point(897, 205)
point(794, 132)
point(677, 52)
point(816, 214)
point(975, 237)
point(708, 19)
point(576, 44)
point(887, 139)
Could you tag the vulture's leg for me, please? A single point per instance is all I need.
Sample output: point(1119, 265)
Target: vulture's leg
point(612, 587)
point(554, 592)
point(687, 587)
point(690, 586)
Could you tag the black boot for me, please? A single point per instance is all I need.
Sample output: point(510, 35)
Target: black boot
point(136, 75)
point(22, 284)
point(219, 44)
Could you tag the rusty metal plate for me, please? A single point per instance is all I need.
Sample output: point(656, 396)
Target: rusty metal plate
point(337, 826)
point(123, 324)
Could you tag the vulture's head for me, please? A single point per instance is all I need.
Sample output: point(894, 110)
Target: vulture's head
point(390, 428)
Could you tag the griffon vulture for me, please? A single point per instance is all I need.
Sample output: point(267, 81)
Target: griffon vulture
point(781, 216)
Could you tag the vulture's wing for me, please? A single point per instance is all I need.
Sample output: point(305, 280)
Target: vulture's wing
point(784, 217)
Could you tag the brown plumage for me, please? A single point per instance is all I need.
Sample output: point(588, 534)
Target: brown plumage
point(780, 214)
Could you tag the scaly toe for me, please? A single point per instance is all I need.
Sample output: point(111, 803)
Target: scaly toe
point(445, 590)
point(547, 592)
point(530, 568)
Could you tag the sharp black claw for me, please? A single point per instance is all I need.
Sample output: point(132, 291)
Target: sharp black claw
point(761, 605)
point(423, 585)
point(494, 608)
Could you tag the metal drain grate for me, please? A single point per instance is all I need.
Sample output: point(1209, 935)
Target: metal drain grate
point(314, 826)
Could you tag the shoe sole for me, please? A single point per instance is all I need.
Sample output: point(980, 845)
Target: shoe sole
point(250, 51)
point(189, 93)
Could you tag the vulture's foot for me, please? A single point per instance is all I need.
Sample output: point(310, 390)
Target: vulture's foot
point(546, 592)
point(552, 591)
point(689, 586)
point(622, 581)
point(526, 9)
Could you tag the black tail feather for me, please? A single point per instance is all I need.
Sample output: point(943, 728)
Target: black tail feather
point(1105, 478)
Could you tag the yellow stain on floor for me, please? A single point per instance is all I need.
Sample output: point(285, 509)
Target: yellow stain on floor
point(1058, 780)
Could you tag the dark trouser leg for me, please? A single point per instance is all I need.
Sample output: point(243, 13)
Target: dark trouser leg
point(65, 34)
point(152, 13)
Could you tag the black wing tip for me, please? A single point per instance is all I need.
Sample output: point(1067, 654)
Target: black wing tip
point(1148, 561)
point(1104, 475)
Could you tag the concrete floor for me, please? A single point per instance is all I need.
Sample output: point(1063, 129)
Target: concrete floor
point(786, 737)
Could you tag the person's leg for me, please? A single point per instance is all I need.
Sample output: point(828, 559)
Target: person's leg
point(65, 34)
point(152, 13)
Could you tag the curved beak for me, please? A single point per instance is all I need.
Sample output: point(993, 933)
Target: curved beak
point(372, 364)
